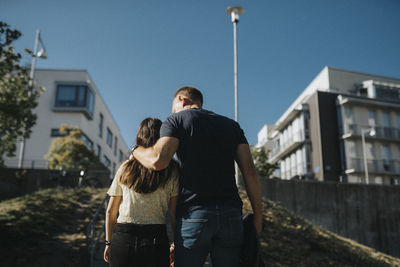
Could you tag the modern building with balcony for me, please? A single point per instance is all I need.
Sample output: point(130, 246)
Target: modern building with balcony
point(321, 135)
point(262, 137)
point(70, 97)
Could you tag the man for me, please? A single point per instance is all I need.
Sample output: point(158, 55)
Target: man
point(209, 206)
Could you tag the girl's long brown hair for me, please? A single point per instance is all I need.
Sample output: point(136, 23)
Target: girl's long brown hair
point(134, 174)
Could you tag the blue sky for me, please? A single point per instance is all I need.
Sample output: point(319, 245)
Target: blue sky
point(139, 52)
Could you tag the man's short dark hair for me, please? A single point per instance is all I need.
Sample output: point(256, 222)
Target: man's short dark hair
point(192, 93)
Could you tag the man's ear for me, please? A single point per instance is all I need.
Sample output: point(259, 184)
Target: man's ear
point(185, 101)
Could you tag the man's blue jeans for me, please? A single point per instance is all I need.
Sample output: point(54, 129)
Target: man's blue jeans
point(217, 230)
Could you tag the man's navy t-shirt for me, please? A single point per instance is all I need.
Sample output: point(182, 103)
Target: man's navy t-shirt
point(207, 147)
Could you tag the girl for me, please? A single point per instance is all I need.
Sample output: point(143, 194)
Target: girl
point(141, 196)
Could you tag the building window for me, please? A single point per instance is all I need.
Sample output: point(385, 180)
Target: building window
point(370, 150)
point(109, 138)
point(57, 133)
point(87, 141)
point(348, 120)
point(307, 125)
point(387, 166)
point(114, 166)
point(362, 91)
point(386, 152)
point(388, 132)
point(399, 153)
point(387, 92)
point(386, 119)
point(98, 151)
point(398, 121)
point(106, 161)
point(100, 131)
point(275, 146)
point(372, 117)
point(121, 156)
point(115, 146)
point(348, 112)
point(74, 96)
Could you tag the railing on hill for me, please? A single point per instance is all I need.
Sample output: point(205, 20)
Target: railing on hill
point(27, 163)
point(92, 235)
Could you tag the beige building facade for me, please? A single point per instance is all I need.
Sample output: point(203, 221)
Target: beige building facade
point(71, 97)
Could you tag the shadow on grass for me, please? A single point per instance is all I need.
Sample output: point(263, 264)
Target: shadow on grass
point(47, 228)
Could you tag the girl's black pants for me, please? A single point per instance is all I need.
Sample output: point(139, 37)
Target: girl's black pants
point(137, 245)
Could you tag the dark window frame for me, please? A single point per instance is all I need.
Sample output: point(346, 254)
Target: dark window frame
point(387, 92)
point(109, 138)
point(121, 156)
point(101, 124)
point(87, 141)
point(115, 145)
point(106, 161)
point(98, 152)
point(87, 108)
point(55, 132)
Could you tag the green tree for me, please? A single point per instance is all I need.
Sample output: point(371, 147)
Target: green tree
point(69, 151)
point(260, 157)
point(17, 99)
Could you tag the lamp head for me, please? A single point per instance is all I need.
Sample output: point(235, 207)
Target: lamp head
point(372, 132)
point(42, 54)
point(235, 12)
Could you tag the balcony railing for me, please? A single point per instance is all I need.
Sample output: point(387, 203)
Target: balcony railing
point(381, 132)
point(375, 165)
point(297, 137)
point(27, 163)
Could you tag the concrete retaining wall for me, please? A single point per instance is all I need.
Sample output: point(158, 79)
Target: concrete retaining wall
point(369, 214)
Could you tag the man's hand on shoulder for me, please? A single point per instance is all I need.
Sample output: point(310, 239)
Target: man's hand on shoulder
point(158, 156)
point(133, 150)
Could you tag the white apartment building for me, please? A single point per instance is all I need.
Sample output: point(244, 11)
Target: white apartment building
point(71, 97)
point(262, 137)
point(320, 135)
point(290, 145)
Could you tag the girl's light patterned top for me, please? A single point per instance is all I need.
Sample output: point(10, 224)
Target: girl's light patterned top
point(139, 208)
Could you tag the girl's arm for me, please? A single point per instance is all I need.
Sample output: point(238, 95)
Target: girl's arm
point(111, 220)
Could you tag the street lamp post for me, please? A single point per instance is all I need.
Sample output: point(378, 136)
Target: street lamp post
point(40, 54)
point(371, 133)
point(235, 12)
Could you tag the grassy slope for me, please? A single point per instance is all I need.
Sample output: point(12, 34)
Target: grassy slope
point(288, 240)
point(47, 229)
